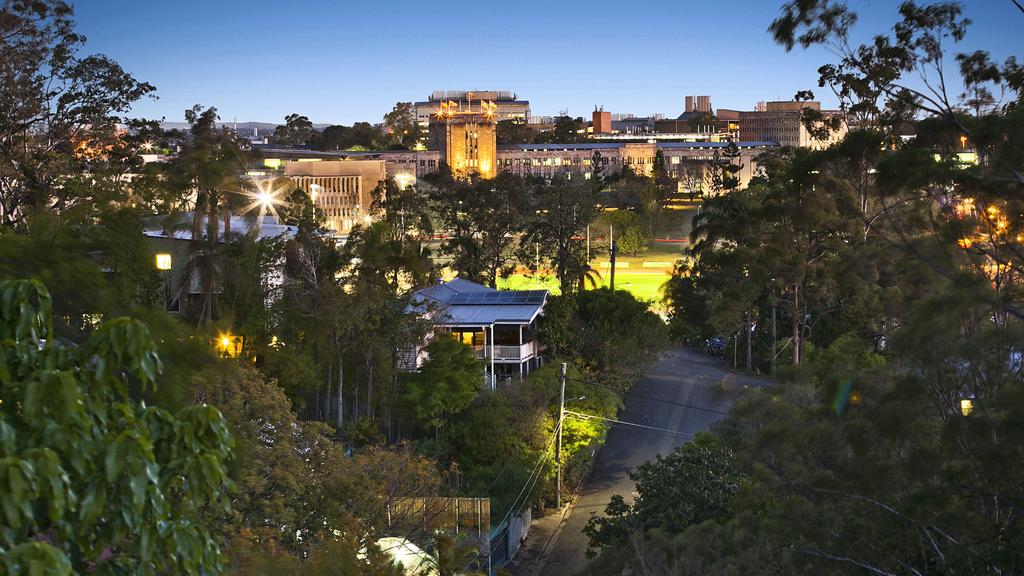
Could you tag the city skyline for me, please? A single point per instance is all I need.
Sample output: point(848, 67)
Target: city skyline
point(353, 64)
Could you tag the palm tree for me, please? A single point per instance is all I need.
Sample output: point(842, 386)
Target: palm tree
point(209, 167)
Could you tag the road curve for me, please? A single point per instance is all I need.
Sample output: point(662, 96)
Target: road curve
point(686, 392)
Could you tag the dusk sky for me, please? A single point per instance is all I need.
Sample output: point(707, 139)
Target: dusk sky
point(340, 62)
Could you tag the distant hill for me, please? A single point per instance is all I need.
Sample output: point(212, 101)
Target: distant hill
point(263, 127)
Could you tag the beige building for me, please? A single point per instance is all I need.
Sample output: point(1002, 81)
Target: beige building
point(465, 137)
point(343, 189)
point(782, 122)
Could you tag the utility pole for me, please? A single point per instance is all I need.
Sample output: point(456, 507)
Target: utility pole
point(558, 442)
point(735, 349)
point(615, 249)
point(746, 327)
point(774, 339)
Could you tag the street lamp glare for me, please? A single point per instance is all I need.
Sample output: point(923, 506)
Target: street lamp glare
point(265, 198)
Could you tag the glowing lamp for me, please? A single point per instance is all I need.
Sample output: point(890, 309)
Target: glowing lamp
point(966, 406)
point(228, 345)
point(163, 261)
point(264, 198)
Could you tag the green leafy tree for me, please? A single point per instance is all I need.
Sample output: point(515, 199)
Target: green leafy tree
point(296, 131)
point(484, 218)
point(696, 482)
point(563, 211)
point(96, 481)
point(445, 384)
point(631, 235)
point(567, 129)
point(514, 131)
point(209, 167)
point(402, 128)
point(61, 113)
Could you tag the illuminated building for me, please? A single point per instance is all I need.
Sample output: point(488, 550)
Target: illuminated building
point(571, 161)
point(342, 189)
point(507, 105)
point(465, 136)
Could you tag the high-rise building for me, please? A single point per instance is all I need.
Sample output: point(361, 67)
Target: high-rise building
point(698, 104)
point(466, 137)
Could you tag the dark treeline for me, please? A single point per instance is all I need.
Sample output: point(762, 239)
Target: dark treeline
point(879, 280)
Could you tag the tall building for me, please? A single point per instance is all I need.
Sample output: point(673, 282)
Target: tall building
point(782, 122)
point(602, 122)
point(507, 104)
point(343, 189)
point(466, 136)
point(698, 104)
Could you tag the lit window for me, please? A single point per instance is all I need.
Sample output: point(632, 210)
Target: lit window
point(163, 261)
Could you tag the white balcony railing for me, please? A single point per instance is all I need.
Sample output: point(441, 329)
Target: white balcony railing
point(524, 352)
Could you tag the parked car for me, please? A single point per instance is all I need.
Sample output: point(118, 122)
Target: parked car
point(714, 346)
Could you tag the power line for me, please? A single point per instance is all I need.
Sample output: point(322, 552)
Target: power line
point(531, 482)
point(614, 421)
point(652, 398)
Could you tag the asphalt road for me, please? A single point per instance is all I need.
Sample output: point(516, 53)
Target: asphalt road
point(681, 377)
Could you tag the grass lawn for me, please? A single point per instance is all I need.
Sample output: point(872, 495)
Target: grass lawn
point(644, 285)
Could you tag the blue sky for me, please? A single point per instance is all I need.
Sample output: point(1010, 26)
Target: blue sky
point(341, 61)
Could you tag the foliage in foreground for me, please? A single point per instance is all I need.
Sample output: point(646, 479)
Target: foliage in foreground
point(96, 481)
point(893, 444)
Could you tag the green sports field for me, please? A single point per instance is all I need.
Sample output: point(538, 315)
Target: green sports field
point(644, 283)
point(642, 276)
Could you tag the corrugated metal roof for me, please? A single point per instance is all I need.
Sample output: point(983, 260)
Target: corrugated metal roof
point(480, 314)
point(488, 306)
point(270, 227)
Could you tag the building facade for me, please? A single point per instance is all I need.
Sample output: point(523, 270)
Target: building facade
point(687, 162)
point(602, 122)
point(465, 138)
point(782, 122)
point(342, 189)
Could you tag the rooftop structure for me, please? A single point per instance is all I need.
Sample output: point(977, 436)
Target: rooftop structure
point(698, 104)
point(507, 105)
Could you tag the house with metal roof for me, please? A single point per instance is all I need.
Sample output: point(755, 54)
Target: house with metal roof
point(501, 325)
point(175, 254)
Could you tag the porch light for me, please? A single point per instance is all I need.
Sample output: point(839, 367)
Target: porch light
point(163, 261)
point(228, 345)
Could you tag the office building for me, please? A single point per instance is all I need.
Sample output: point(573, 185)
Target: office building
point(782, 122)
